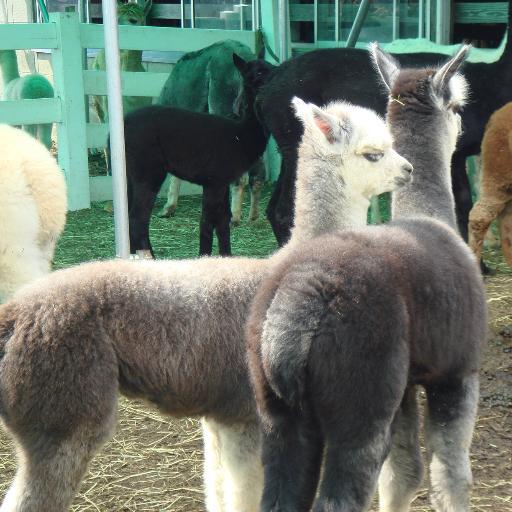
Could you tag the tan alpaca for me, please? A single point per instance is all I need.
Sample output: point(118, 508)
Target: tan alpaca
point(496, 184)
point(171, 332)
point(33, 209)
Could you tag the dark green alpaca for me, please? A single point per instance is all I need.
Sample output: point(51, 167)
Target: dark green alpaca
point(207, 81)
point(29, 87)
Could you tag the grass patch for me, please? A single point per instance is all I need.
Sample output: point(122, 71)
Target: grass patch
point(89, 234)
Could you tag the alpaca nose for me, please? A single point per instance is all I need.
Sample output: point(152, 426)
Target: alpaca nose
point(407, 168)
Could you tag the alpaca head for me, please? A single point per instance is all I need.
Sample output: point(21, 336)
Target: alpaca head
point(357, 141)
point(255, 73)
point(133, 13)
point(431, 94)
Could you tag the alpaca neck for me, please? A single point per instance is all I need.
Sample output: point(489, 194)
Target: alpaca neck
point(323, 203)
point(250, 132)
point(430, 192)
point(8, 66)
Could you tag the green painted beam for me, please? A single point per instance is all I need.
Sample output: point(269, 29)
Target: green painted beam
point(25, 36)
point(164, 38)
point(133, 84)
point(69, 87)
point(101, 188)
point(47, 110)
point(97, 135)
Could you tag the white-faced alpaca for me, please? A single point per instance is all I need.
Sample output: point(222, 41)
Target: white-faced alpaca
point(171, 332)
point(33, 209)
point(495, 199)
point(348, 325)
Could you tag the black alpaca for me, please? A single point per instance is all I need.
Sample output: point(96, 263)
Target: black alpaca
point(324, 75)
point(345, 329)
point(209, 150)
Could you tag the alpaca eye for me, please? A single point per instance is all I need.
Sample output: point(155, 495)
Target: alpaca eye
point(373, 157)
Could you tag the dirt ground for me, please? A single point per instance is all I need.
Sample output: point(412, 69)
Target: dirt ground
point(154, 464)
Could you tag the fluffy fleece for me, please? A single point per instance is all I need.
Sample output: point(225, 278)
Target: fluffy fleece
point(33, 209)
point(495, 199)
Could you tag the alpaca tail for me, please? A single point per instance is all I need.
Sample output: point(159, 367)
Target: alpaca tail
point(291, 324)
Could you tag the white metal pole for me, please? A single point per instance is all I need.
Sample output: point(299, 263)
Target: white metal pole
point(116, 125)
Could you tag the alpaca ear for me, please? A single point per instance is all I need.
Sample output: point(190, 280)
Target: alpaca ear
point(302, 109)
point(239, 63)
point(333, 129)
point(442, 77)
point(387, 66)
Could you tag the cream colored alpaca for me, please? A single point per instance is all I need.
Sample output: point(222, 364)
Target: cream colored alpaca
point(33, 209)
point(171, 332)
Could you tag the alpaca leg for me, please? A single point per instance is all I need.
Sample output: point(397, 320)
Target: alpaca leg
point(292, 456)
point(402, 472)
point(173, 192)
point(207, 224)
point(213, 476)
point(222, 223)
point(142, 202)
point(505, 221)
point(461, 192)
point(257, 178)
point(240, 455)
point(44, 134)
point(280, 206)
point(480, 218)
point(237, 199)
point(51, 470)
point(356, 394)
point(449, 426)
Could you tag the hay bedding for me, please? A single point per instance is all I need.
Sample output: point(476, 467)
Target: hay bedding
point(155, 464)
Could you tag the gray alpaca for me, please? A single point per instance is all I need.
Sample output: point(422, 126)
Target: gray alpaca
point(346, 327)
point(171, 332)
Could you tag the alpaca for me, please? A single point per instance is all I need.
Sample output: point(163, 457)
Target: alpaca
point(134, 14)
point(207, 81)
point(170, 332)
point(29, 87)
point(209, 150)
point(32, 209)
point(346, 73)
point(348, 325)
point(496, 184)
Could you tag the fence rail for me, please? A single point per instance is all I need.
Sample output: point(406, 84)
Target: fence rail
point(67, 38)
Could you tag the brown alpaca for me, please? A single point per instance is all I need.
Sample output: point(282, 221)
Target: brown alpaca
point(496, 186)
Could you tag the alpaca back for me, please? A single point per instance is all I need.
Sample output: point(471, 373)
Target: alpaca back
point(421, 281)
point(33, 207)
point(207, 80)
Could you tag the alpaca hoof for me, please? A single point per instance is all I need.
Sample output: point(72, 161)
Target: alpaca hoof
point(165, 213)
point(235, 223)
point(253, 218)
point(142, 254)
point(109, 207)
point(487, 271)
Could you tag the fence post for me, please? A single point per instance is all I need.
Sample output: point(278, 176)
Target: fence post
point(69, 87)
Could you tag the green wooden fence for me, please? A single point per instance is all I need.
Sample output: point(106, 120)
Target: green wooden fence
point(67, 38)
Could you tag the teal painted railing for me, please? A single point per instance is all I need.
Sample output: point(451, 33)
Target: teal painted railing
point(67, 38)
